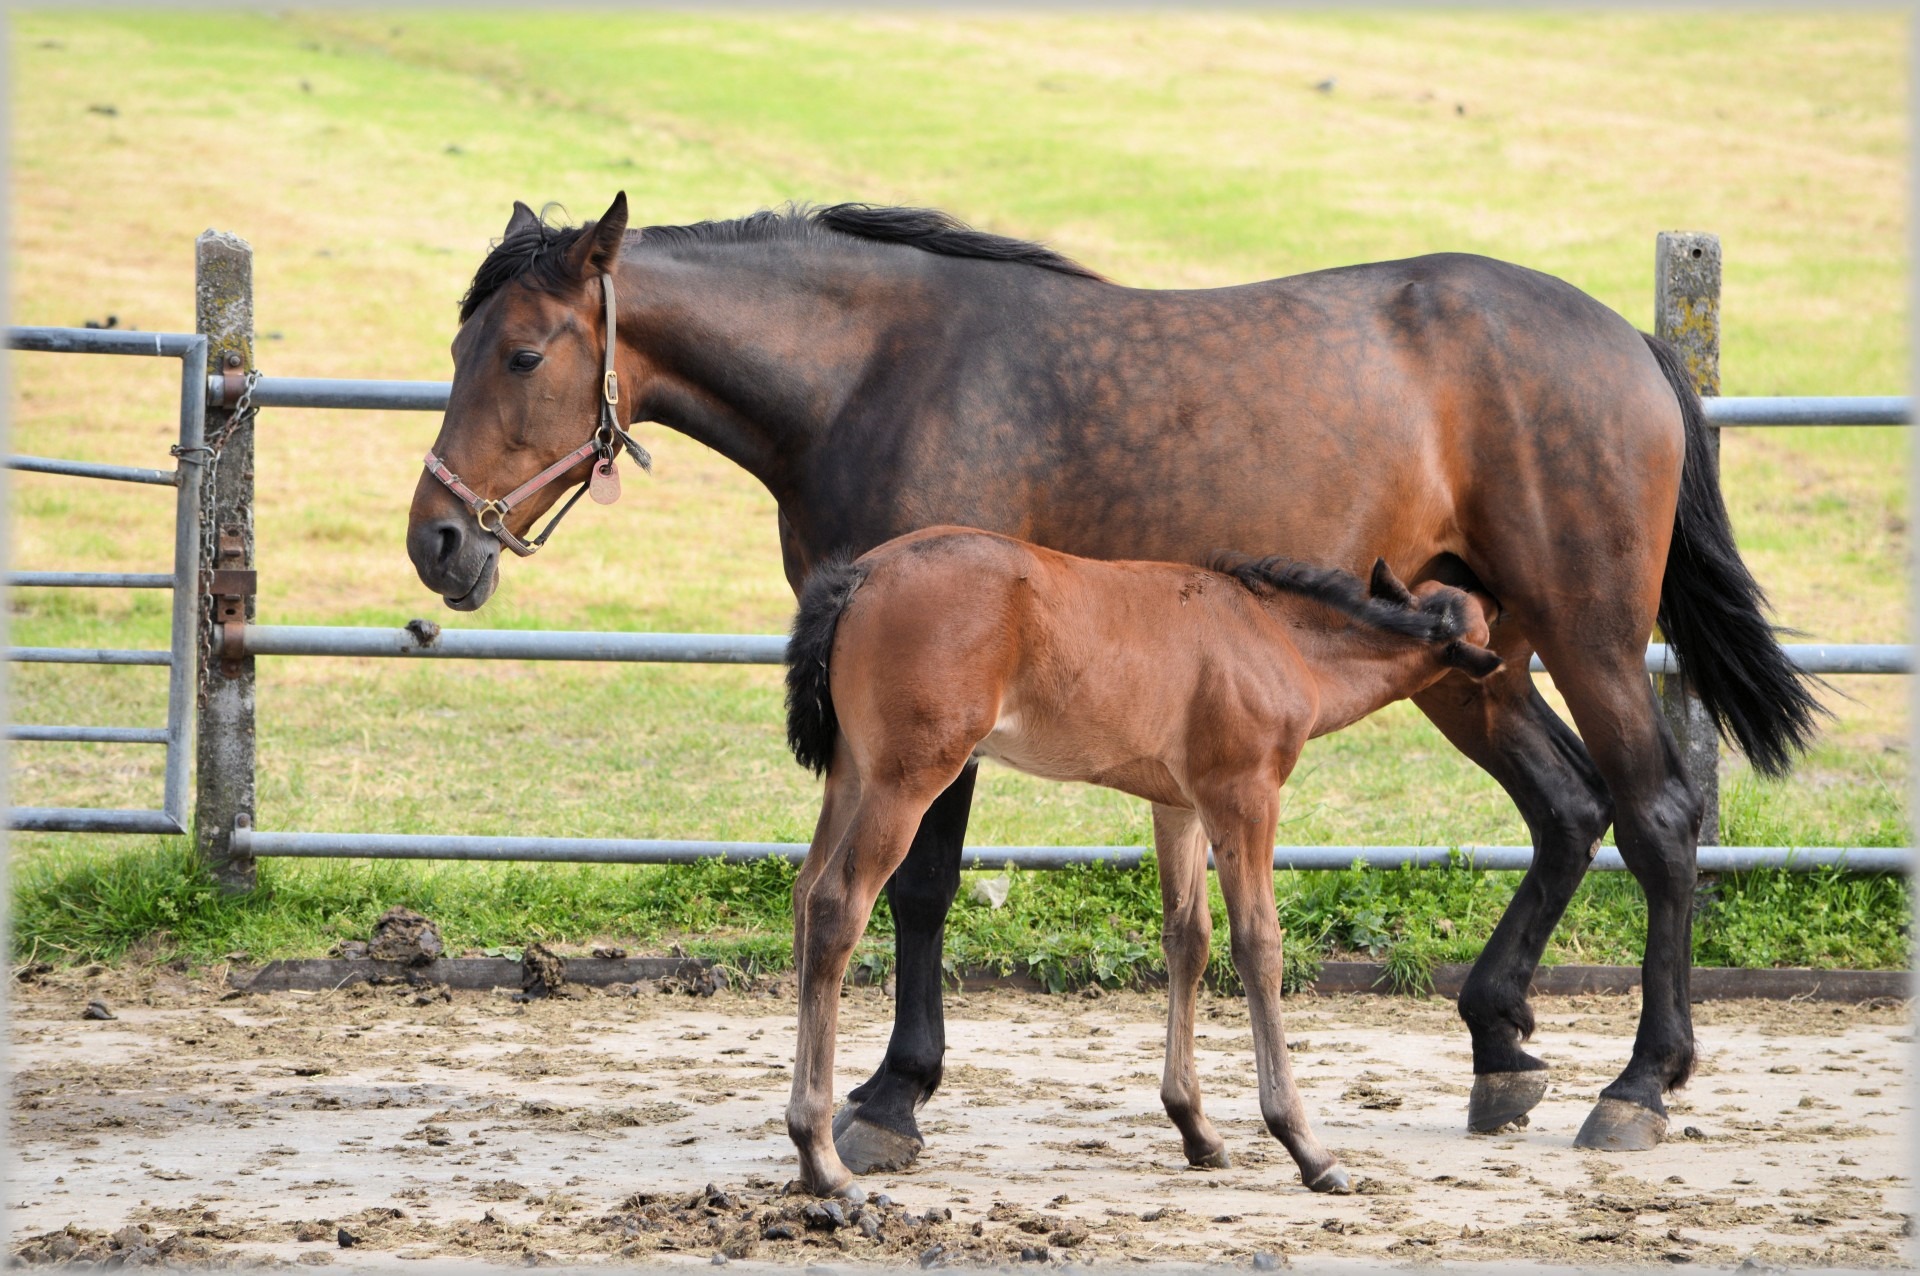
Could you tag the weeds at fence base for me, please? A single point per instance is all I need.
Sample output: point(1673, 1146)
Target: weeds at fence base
point(146, 899)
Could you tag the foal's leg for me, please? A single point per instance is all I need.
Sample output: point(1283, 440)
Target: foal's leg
point(1242, 821)
point(1180, 847)
point(837, 805)
point(831, 915)
point(877, 1130)
point(1504, 725)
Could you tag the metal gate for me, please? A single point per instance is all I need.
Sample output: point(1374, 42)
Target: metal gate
point(184, 580)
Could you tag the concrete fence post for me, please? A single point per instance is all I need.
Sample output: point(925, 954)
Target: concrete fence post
point(1686, 312)
point(223, 744)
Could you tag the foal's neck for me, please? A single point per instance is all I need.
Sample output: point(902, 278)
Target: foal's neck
point(754, 348)
point(1358, 668)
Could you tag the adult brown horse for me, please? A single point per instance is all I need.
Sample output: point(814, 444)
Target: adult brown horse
point(882, 370)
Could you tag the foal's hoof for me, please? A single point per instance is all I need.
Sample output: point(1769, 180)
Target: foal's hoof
point(1214, 1160)
point(1500, 1098)
point(866, 1147)
point(1615, 1125)
point(1332, 1179)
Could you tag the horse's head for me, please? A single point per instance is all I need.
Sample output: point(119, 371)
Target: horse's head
point(533, 409)
point(1460, 631)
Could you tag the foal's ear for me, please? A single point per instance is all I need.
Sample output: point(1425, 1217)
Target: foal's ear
point(523, 218)
point(1474, 661)
point(597, 251)
point(1386, 585)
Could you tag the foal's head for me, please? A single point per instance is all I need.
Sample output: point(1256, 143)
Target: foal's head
point(1453, 624)
point(527, 391)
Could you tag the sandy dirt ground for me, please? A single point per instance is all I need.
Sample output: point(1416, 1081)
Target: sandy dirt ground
point(472, 1129)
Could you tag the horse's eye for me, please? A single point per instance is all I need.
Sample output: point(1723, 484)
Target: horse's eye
point(524, 361)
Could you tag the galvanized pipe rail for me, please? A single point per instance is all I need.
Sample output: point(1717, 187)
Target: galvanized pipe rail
point(605, 850)
point(86, 656)
point(90, 580)
point(431, 396)
point(426, 641)
point(191, 350)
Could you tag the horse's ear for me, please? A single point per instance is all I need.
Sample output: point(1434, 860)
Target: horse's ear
point(1474, 661)
point(598, 250)
point(1386, 585)
point(523, 218)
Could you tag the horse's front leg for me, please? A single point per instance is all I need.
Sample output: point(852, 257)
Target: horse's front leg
point(1186, 935)
point(877, 1129)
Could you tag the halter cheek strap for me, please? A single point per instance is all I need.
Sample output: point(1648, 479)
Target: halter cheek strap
point(608, 441)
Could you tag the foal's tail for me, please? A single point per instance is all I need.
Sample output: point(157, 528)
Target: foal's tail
point(812, 725)
point(1710, 610)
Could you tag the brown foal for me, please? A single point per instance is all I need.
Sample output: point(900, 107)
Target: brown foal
point(1194, 689)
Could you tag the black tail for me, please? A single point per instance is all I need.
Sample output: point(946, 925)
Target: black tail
point(812, 725)
point(1710, 610)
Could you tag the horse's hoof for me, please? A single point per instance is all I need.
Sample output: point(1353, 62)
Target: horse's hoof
point(1214, 1160)
point(853, 1194)
point(866, 1147)
point(1615, 1125)
point(1500, 1098)
point(1332, 1179)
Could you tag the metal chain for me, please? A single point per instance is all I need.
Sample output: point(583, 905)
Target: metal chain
point(208, 456)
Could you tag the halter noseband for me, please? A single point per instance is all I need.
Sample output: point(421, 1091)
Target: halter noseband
point(606, 444)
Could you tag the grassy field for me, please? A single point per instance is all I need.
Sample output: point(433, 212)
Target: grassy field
point(370, 159)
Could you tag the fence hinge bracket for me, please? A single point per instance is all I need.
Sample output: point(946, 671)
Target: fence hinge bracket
point(230, 588)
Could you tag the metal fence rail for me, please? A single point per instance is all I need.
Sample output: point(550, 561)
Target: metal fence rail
point(431, 396)
point(191, 350)
point(602, 850)
point(426, 641)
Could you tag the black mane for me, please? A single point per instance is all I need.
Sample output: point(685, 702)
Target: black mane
point(1343, 592)
point(535, 254)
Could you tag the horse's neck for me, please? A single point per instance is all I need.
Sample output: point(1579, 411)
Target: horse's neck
point(755, 348)
point(1357, 669)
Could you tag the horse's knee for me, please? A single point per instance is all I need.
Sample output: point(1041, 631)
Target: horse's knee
point(1657, 836)
point(830, 925)
point(1187, 939)
point(1255, 949)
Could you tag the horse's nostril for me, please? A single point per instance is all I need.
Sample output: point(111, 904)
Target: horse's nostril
point(449, 542)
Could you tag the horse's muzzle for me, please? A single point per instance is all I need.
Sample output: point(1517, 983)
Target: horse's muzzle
point(463, 568)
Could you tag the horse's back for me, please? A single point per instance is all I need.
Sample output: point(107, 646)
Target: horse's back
point(1446, 404)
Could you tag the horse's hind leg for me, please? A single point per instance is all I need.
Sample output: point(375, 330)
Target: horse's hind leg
point(1656, 825)
point(877, 1130)
point(1504, 725)
point(831, 914)
point(1180, 846)
point(1242, 818)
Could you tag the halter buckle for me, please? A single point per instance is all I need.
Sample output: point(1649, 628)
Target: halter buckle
point(610, 388)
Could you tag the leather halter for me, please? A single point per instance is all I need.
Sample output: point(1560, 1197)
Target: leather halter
point(609, 438)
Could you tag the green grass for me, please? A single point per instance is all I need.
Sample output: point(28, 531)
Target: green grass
point(370, 159)
point(1072, 927)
